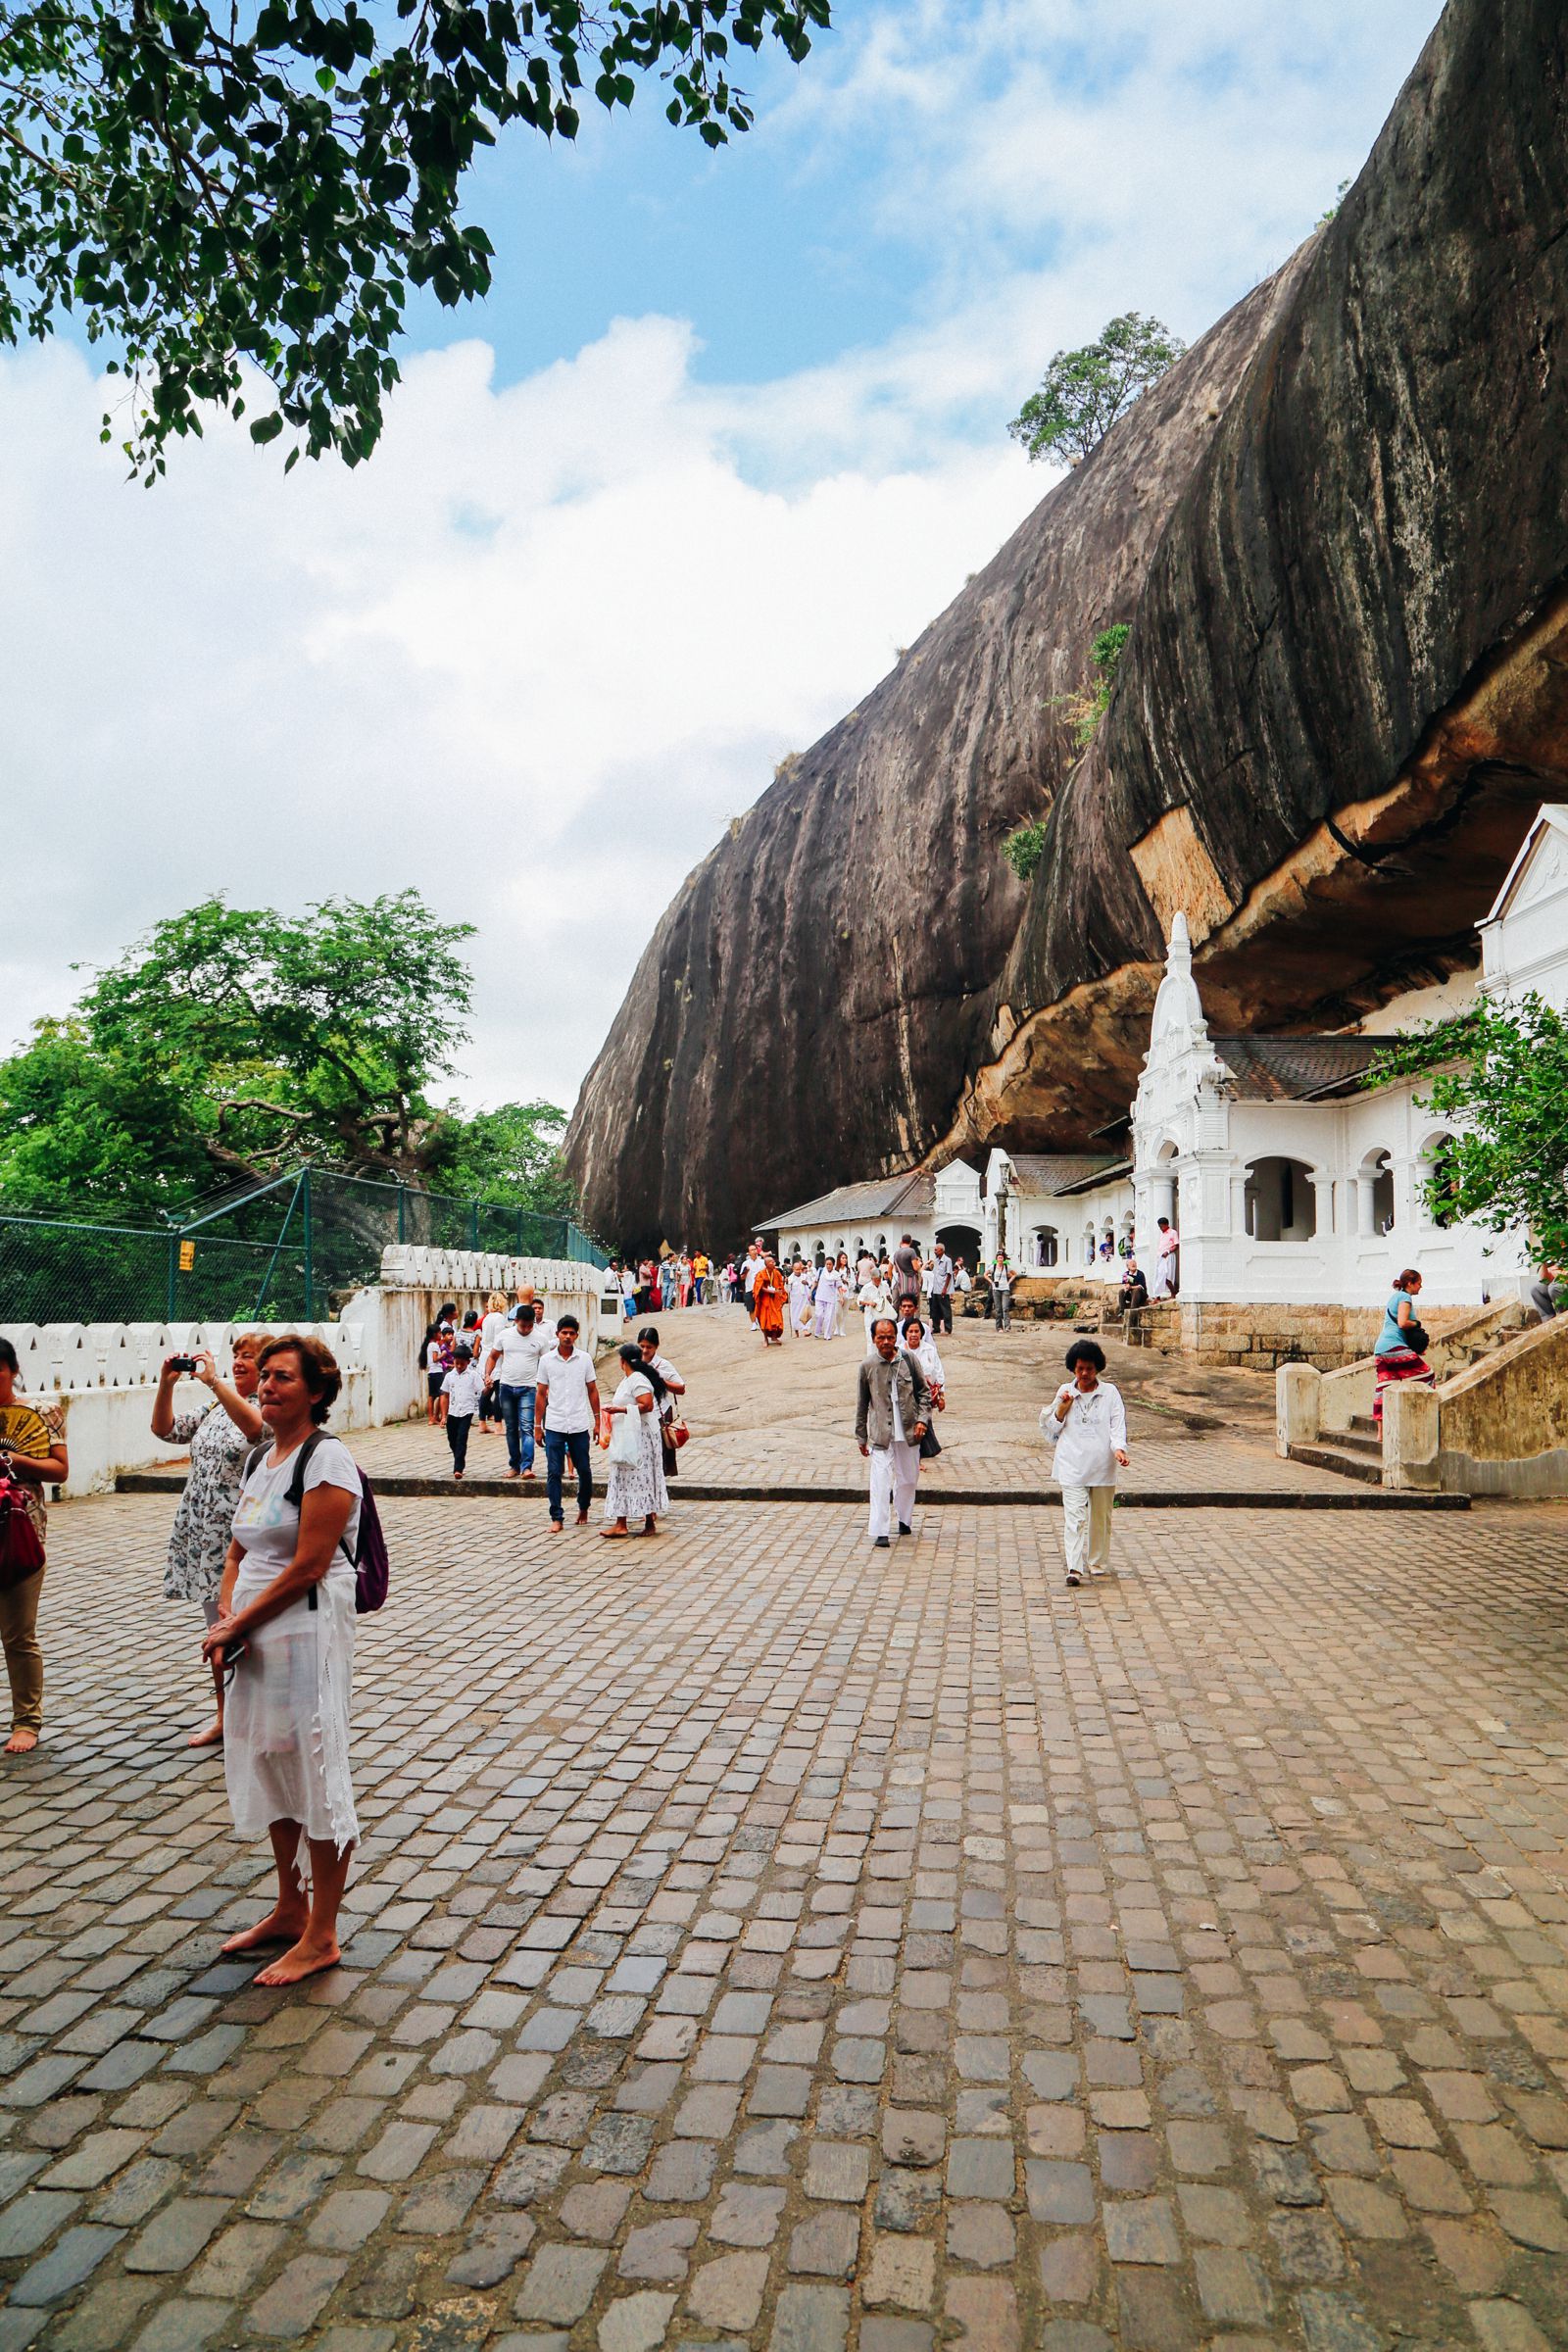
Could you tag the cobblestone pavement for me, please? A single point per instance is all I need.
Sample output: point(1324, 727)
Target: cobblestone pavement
point(762, 1940)
point(787, 1415)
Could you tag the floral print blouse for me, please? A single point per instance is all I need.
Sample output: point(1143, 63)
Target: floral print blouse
point(198, 1541)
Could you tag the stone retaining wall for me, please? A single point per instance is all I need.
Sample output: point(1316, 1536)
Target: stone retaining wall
point(1259, 1339)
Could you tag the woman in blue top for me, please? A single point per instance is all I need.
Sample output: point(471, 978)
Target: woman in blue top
point(1396, 1358)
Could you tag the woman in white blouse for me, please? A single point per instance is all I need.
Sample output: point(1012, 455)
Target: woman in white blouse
point(1086, 1422)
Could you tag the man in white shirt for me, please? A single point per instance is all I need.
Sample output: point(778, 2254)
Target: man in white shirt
point(566, 1415)
point(939, 1289)
point(513, 1368)
point(1086, 1422)
point(749, 1273)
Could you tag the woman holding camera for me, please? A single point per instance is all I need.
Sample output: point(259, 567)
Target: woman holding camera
point(285, 1627)
point(219, 1437)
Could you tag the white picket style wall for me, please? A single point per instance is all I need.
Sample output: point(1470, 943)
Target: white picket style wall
point(103, 1373)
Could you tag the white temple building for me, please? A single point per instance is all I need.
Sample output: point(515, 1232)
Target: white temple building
point(1287, 1178)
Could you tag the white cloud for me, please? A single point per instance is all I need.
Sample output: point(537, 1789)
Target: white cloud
point(530, 660)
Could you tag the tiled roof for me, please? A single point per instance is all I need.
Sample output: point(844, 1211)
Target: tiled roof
point(905, 1196)
point(1297, 1069)
point(1044, 1173)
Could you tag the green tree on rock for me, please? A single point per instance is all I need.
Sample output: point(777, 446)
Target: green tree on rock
point(239, 200)
point(1085, 392)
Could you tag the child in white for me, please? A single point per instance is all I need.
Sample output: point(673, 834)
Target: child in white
point(1086, 1422)
point(463, 1388)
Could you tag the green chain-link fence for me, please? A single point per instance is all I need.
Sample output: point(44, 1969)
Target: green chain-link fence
point(293, 1248)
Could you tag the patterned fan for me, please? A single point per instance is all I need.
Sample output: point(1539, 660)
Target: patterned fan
point(24, 1431)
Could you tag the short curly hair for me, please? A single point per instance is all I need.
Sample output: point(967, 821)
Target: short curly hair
point(1086, 1352)
point(318, 1369)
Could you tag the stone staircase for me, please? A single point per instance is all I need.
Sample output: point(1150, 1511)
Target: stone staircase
point(1355, 1452)
point(1355, 1449)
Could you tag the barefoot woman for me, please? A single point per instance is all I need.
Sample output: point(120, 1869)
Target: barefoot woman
point(288, 1597)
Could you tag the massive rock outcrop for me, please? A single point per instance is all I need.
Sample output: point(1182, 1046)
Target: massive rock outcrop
point(1339, 532)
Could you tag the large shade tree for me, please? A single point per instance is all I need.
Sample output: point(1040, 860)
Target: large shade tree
point(239, 199)
point(233, 1042)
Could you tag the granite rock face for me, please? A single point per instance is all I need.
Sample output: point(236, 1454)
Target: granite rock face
point(1340, 530)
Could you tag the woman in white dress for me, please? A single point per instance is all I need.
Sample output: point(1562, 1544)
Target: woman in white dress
point(285, 1626)
point(636, 1489)
point(923, 1347)
point(827, 1301)
point(803, 1301)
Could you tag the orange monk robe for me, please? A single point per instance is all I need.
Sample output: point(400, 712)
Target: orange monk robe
point(769, 1294)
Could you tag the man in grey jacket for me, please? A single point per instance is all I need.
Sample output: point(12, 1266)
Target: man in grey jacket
point(891, 1418)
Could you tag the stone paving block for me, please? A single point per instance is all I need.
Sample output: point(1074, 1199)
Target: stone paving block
point(902, 2271)
point(32, 2219)
point(727, 2293)
point(810, 2319)
point(176, 2235)
point(296, 2297)
point(69, 2262)
point(560, 2284)
point(1141, 2230)
point(984, 2312)
point(183, 2325)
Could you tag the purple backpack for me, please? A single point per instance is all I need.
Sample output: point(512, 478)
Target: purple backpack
point(373, 1569)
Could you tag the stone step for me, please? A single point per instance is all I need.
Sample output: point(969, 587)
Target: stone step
point(1360, 1440)
point(684, 1489)
point(1348, 1464)
point(1365, 1426)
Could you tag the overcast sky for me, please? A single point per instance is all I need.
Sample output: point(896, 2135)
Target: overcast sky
point(729, 432)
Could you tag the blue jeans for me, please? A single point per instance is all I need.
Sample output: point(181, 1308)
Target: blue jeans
point(559, 1443)
point(516, 1413)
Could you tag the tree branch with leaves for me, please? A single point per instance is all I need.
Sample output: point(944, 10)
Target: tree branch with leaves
point(244, 200)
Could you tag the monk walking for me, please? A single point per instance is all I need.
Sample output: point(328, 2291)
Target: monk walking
point(768, 1294)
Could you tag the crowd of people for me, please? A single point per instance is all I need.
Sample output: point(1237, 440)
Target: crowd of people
point(276, 1542)
point(652, 1286)
point(812, 1299)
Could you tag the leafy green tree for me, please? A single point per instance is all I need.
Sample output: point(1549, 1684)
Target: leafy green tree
point(1084, 392)
point(232, 1043)
point(214, 190)
point(512, 1154)
point(1500, 1072)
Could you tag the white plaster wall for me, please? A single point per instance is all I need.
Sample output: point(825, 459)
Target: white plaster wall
point(103, 1374)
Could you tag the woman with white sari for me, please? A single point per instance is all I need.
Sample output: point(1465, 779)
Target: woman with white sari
point(803, 1300)
point(827, 1301)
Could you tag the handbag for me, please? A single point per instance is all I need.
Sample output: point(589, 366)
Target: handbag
point(625, 1446)
point(21, 1550)
point(930, 1444)
point(1416, 1336)
point(678, 1432)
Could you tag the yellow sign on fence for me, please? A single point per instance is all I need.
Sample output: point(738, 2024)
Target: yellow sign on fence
point(188, 1256)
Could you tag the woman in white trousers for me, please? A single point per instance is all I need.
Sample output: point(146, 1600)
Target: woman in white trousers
point(1086, 1422)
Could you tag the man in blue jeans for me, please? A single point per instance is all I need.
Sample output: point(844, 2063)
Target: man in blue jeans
point(513, 1365)
point(566, 1415)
